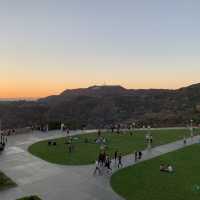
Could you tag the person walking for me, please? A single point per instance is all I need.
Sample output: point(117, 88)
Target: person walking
point(151, 140)
point(115, 156)
point(184, 140)
point(108, 164)
point(103, 158)
point(136, 156)
point(139, 155)
point(120, 160)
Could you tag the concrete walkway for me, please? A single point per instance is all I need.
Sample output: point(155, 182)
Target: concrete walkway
point(158, 151)
point(56, 182)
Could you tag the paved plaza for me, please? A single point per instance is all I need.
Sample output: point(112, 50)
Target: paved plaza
point(56, 182)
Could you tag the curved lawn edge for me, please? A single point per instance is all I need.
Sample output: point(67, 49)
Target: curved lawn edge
point(6, 182)
point(60, 140)
point(135, 181)
point(54, 162)
point(87, 153)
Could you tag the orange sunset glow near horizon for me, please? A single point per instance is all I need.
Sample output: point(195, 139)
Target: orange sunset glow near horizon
point(37, 91)
point(47, 47)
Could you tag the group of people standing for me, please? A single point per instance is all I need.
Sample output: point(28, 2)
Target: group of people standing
point(118, 128)
point(138, 155)
point(149, 140)
point(7, 132)
point(104, 162)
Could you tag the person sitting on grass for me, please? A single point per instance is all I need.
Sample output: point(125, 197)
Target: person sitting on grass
point(166, 168)
point(170, 168)
point(162, 167)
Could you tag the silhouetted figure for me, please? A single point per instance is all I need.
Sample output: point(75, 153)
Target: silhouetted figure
point(54, 143)
point(115, 156)
point(120, 161)
point(112, 128)
point(139, 155)
point(118, 128)
point(184, 140)
point(136, 156)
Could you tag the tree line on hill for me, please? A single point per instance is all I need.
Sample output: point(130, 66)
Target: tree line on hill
point(101, 106)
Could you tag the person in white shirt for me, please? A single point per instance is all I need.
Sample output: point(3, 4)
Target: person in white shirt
point(170, 168)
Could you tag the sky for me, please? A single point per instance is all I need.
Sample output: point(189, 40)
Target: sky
point(47, 46)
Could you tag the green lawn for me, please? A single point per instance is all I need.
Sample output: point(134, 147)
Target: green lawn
point(87, 153)
point(144, 181)
point(30, 198)
point(5, 182)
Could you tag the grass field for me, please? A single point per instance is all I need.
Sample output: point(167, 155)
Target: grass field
point(144, 181)
point(30, 198)
point(87, 153)
point(5, 182)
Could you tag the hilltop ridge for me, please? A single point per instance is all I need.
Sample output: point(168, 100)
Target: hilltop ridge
point(98, 106)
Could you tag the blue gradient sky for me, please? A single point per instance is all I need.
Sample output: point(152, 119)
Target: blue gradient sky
point(48, 46)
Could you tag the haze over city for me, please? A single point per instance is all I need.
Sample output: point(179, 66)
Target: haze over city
point(49, 46)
